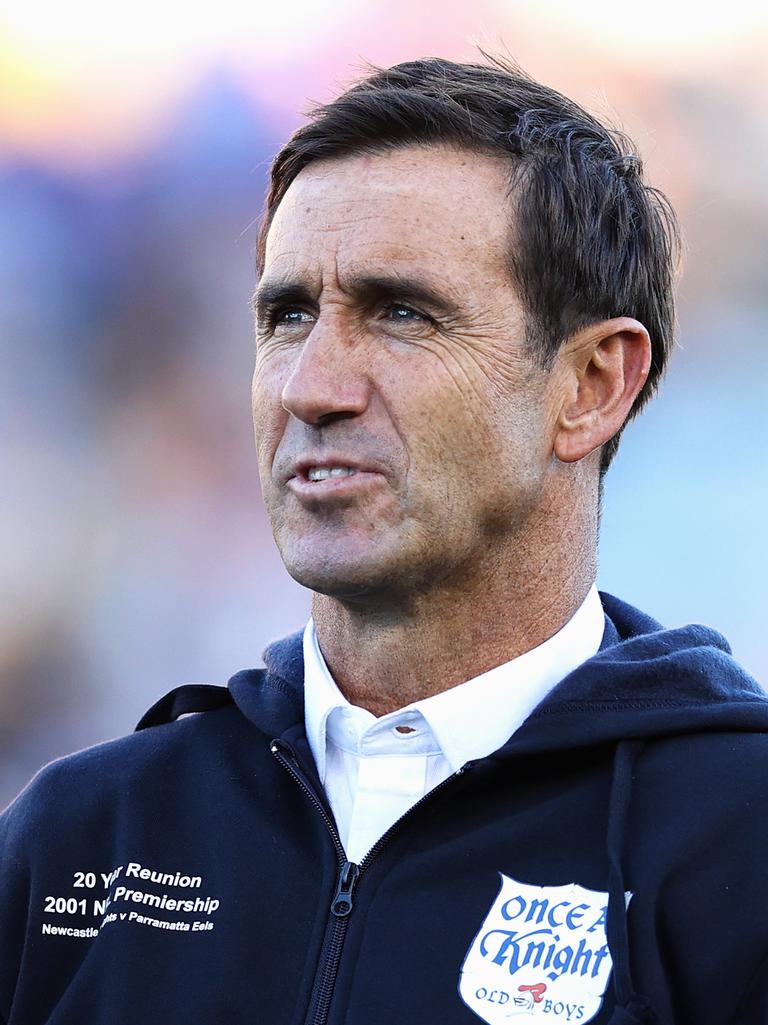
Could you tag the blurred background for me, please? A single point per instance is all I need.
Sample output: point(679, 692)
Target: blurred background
point(134, 145)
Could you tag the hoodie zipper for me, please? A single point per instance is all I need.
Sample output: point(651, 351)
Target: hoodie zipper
point(349, 875)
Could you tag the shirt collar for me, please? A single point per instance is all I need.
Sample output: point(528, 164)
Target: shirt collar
point(474, 718)
point(321, 697)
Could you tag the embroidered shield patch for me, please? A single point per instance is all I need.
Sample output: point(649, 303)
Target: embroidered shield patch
point(541, 955)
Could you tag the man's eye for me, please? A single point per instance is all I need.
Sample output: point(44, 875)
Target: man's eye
point(404, 314)
point(292, 316)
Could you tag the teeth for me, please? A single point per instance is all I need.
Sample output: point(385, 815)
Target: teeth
point(324, 472)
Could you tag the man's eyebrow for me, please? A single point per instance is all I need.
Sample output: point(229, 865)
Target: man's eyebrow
point(404, 288)
point(270, 294)
point(367, 288)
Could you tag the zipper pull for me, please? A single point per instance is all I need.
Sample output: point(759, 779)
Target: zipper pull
point(284, 753)
point(342, 899)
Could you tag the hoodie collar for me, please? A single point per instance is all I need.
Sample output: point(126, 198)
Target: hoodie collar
point(644, 681)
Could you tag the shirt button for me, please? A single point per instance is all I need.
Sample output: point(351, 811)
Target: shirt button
point(403, 731)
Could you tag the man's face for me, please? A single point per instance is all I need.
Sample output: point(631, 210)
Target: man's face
point(403, 432)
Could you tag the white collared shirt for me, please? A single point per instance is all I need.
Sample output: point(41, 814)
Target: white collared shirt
point(373, 773)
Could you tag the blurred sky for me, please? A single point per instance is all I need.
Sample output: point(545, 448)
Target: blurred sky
point(134, 144)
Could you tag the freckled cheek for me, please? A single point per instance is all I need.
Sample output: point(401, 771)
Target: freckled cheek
point(441, 433)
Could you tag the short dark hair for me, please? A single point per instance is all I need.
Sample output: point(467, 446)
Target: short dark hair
point(589, 239)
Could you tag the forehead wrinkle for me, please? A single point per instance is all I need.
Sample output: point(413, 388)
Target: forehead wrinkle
point(377, 197)
point(455, 247)
point(358, 277)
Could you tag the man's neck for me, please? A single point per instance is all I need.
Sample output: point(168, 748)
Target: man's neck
point(386, 656)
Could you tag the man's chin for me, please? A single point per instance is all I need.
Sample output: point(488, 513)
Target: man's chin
point(354, 573)
point(345, 582)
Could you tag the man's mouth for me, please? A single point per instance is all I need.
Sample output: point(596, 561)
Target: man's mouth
point(332, 479)
point(315, 473)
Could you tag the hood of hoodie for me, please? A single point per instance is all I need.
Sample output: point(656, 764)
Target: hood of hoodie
point(644, 682)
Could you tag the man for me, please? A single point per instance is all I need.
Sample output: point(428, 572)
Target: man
point(473, 790)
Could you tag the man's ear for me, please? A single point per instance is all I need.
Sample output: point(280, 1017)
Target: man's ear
point(604, 366)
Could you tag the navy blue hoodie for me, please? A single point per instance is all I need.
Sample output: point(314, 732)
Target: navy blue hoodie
point(607, 864)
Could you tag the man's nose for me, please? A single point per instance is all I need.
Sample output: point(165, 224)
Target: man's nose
point(327, 381)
